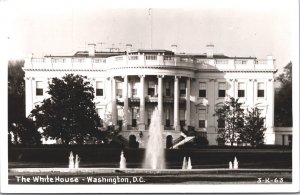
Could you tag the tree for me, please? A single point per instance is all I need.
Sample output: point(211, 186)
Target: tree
point(232, 116)
point(254, 130)
point(70, 113)
point(24, 132)
point(16, 92)
point(20, 128)
point(283, 99)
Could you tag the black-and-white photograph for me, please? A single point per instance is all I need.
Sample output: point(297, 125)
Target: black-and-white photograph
point(119, 98)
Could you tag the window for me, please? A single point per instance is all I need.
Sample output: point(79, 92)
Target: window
point(168, 122)
point(221, 123)
point(152, 57)
point(134, 114)
point(202, 90)
point(78, 60)
point(99, 60)
point(151, 88)
point(119, 88)
point(168, 58)
point(133, 57)
point(202, 114)
point(260, 90)
point(241, 89)
point(222, 89)
point(182, 89)
point(99, 88)
point(221, 61)
point(168, 89)
point(39, 88)
point(182, 117)
point(58, 60)
point(149, 116)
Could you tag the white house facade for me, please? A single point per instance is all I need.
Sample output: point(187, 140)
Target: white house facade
point(185, 88)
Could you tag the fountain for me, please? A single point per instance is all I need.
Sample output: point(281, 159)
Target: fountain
point(189, 165)
point(77, 160)
point(155, 157)
point(122, 161)
point(71, 160)
point(235, 163)
point(184, 164)
point(230, 165)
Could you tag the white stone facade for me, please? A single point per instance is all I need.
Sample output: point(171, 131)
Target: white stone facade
point(186, 88)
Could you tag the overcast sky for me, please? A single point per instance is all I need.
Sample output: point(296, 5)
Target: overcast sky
point(249, 29)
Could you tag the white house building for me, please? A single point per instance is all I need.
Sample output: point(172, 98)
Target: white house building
point(186, 88)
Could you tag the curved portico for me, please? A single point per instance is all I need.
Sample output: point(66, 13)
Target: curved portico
point(169, 93)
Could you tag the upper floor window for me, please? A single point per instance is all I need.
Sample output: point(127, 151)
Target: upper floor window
point(58, 60)
point(241, 89)
point(202, 89)
point(221, 61)
point(99, 60)
point(99, 88)
point(260, 90)
point(39, 88)
point(119, 88)
point(240, 61)
point(151, 88)
point(182, 87)
point(222, 89)
point(119, 58)
point(168, 89)
point(202, 118)
point(133, 57)
point(151, 57)
point(78, 60)
point(168, 58)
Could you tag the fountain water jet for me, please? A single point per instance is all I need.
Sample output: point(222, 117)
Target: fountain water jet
point(230, 165)
point(184, 164)
point(77, 160)
point(122, 161)
point(235, 163)
point(155, 157)
point(189, 165)
point(71, 160)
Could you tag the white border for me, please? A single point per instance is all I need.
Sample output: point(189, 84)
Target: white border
point(270, 188)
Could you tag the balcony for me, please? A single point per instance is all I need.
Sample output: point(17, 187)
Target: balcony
point(148, 60)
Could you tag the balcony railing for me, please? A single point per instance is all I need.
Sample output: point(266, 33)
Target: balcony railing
point(147, 60)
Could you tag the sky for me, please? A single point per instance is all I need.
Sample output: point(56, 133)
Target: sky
point(250, 28)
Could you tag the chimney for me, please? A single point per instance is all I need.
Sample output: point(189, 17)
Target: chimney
point(91, 48)
point(174, 48)
point(210, 51)
point(128, 48)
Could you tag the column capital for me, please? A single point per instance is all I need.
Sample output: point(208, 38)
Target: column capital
point(142, 76)
point(177, 77)
point(123, 76)
point(160, 76)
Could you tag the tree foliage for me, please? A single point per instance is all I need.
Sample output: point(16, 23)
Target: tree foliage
point(21, 130)
point(254, 129)
point(16, 92)
point(233, 115)
point(283, 99)
point(69, 114)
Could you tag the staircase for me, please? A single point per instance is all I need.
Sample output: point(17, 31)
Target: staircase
point(182, 139)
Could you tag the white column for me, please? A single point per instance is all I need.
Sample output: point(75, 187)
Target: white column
point(188, 103)
point(160, 99)
point(176, 103)
point(29, 93)
point(125, 111)
point(270, 135)
point(142, 102)
point(114, 113)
